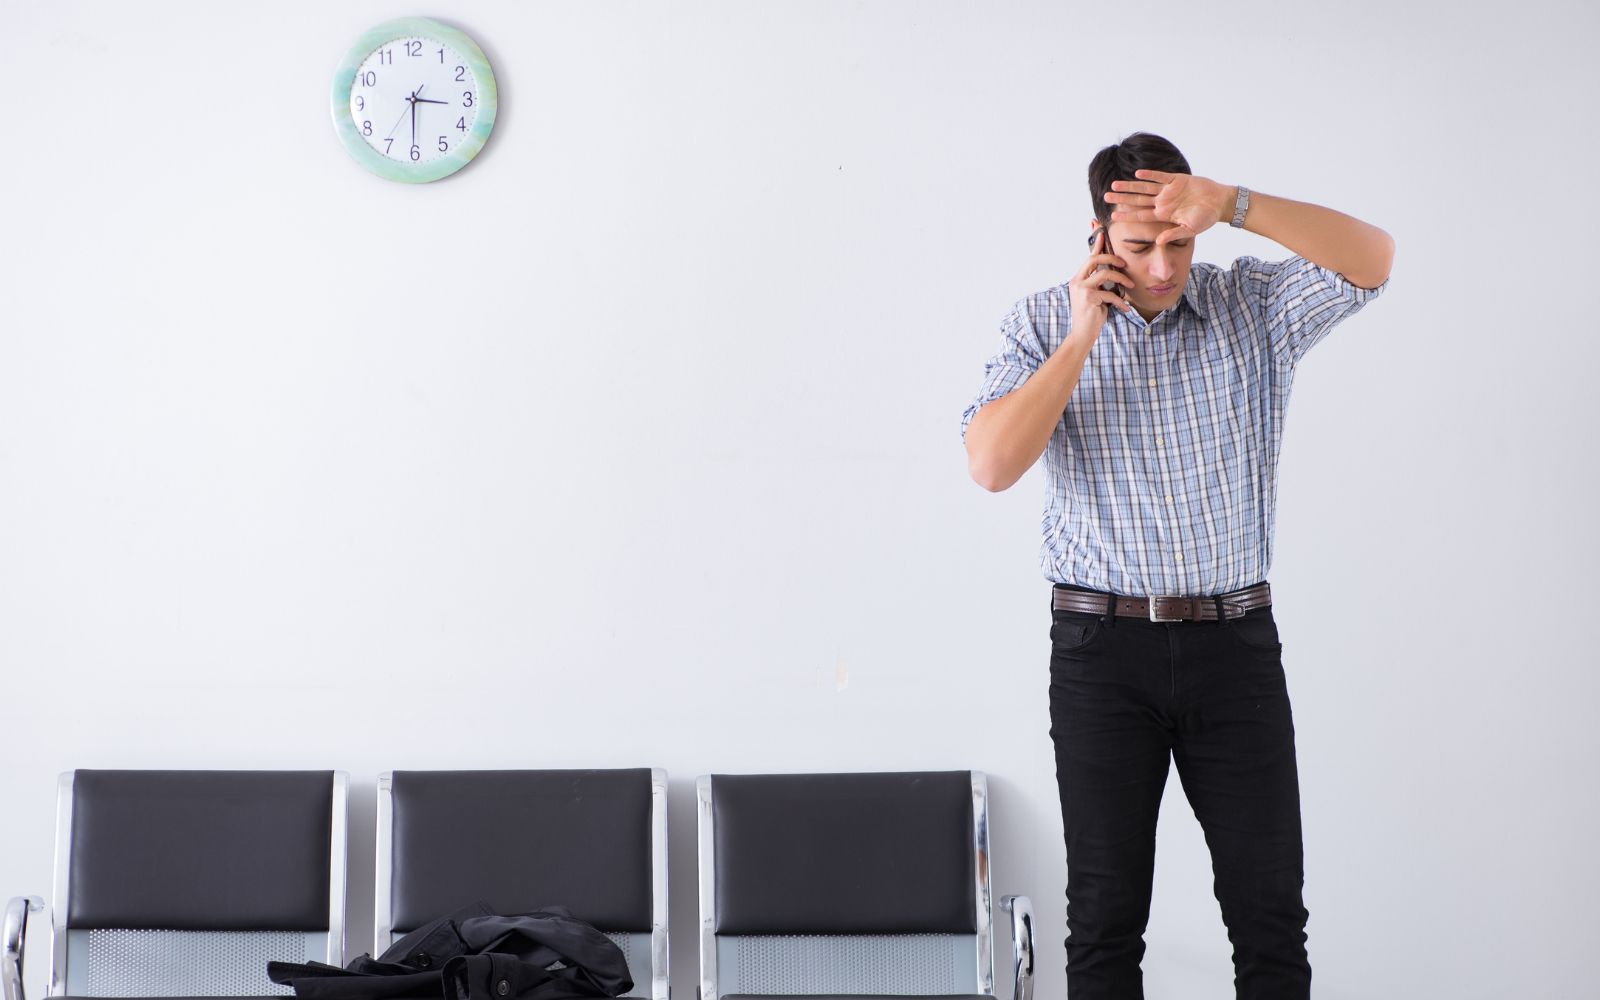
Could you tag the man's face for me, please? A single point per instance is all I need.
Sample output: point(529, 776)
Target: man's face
point(1159, 271)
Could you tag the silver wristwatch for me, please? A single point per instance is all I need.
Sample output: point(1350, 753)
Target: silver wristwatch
point(1241, 205)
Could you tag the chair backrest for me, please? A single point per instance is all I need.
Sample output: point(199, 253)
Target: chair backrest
point(845, 884)
point(186, 883)
point(594, 841)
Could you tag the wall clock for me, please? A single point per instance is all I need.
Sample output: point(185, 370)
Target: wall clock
point(414, 100)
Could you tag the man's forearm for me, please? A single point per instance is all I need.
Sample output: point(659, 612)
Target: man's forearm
point(1361, 252)
point(1007, 435)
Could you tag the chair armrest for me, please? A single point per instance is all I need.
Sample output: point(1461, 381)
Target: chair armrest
point(1021, 910)
point(15, 934)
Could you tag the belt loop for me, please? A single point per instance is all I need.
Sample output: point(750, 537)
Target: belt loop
point(1222, 616)
point(1111, 610)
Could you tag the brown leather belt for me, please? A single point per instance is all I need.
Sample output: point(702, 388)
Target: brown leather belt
point(1166, 609)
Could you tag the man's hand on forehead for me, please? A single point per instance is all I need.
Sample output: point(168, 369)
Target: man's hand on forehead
point(1191, 204)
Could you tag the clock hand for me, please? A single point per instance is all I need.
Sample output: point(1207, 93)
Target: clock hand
point(413, 100)
point(403, 114)
point(397, 122)
point(424, 100)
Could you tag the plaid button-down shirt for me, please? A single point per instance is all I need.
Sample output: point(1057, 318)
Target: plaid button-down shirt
point(1161, 476)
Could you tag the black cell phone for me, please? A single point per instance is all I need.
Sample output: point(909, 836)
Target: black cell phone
point(1108, 286)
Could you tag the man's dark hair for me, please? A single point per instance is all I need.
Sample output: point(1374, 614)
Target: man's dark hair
point(1139, 151)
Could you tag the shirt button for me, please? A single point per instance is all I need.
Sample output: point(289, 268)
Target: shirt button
point(1158, 439)
point(502, 987)
point(1180, 557)
point(1169, 498)
point(1152, 383)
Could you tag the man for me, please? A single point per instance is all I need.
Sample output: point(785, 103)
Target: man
point(1159, 409)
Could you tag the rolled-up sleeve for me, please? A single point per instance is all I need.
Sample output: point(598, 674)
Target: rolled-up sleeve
point(1299, 301)
point(1021, 354)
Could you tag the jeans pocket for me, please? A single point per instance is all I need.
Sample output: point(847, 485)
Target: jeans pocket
point(1257, 630)
point(1071, 631)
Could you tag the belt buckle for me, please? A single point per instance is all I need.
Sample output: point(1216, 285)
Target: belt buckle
point(1151, 601)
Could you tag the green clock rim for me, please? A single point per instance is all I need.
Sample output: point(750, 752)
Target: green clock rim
point(395, 170)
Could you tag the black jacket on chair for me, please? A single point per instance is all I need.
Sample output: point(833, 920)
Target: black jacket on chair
point(475, 954)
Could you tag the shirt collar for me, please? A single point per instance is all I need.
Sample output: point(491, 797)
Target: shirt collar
point(1191, 294)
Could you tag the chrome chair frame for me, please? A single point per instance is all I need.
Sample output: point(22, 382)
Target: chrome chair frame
point(383, 895)
point(1019, 907)
point(18, 909)
point(14, 932)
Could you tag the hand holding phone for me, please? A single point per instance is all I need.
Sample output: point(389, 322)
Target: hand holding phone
point(1103, 238)
point(1098, 287)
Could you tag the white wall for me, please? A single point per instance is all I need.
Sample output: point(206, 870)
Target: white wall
point(636, 443)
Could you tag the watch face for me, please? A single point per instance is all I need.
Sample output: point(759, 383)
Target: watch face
point(414, 99)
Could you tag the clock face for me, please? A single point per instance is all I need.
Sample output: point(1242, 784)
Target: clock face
point(414, 99)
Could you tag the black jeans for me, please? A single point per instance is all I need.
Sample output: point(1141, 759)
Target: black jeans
point(1126, 695)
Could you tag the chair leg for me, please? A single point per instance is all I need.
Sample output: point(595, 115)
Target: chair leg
point(1021, 910)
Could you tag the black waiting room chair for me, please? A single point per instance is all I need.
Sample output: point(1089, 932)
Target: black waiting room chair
point(186, 883)
point(593, 841)
point(817, 885)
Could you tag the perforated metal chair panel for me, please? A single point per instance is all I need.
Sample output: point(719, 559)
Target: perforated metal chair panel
point(636, 949)
point(821, 964)
point(159, 963)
